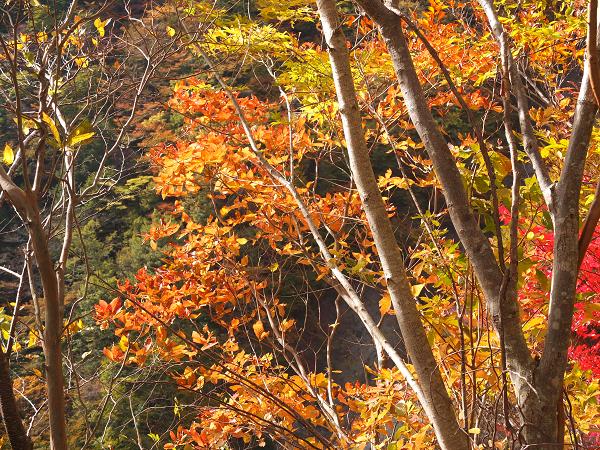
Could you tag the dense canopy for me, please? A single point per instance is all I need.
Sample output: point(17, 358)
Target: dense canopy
point(358, 224)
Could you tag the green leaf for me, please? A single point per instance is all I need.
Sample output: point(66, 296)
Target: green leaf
point(543, 280)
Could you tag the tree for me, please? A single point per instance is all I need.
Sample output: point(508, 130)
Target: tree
point(71, 81)
point(538, 386)
point(250, 157)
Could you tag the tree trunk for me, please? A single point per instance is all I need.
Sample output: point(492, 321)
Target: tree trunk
point(504, 312)
point(541, 411)
point(435, 399)
point(52, 332)
point(25, 203)
point(537, 388)
point(10, 412)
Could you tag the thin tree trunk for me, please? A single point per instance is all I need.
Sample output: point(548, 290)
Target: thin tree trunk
point(53, 324)
point(25, 203)
point(436, 401)
point(541, 411)
point(10, 412)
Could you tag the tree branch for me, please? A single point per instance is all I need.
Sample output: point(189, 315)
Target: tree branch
point(504, 314)
point(592, 49)
point(530, 142)
point(593, 215)
point(435, 401)
point(475, 127)
point(15, 194)
point(565, 264)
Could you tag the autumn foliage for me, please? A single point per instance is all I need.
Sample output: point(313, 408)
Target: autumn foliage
point(225, 312)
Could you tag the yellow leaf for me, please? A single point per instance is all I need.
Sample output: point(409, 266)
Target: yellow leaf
point(530, 235)
point(242, 241)
point(416, 289)
point(474, 430)
point(37, 372)
point(535, 322)
point(46, 118)
point(171, 31)
point(99, 24)
point(124, 343)
point(26, 124)
point(385, 304)
point(8, 155)
point(32, 339)
point(82, 62)
point(81, 134)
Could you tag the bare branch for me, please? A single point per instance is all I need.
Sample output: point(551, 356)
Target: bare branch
point(530, 141)
point(592, 49)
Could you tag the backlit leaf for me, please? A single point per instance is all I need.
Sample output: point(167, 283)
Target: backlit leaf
point(81, 134)
point(53, 129)
point(8, 156)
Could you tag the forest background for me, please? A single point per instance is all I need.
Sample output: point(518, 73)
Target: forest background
point(200, 248)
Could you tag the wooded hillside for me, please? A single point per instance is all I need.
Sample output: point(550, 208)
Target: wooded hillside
point(358, 224)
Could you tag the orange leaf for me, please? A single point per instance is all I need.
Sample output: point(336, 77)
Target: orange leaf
point(259, 330)
point(385, 304)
